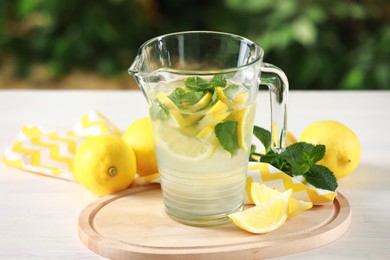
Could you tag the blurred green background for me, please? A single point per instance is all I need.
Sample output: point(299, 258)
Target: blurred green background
point(320, 44)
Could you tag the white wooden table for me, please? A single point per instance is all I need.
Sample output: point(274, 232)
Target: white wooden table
point(39, 215)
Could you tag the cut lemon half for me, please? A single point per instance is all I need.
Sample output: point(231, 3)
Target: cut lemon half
point(260, 194)
point(265, 217)
point(183, 146)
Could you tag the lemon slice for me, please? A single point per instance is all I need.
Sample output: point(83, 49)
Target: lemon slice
point(221, 96)
point(236, 102)
point(164, 99)
point(183, 146)
point(265, 217)
point(217, 113)
point(245, 118)
point(261, 194)
point(207, 135)
point(240, 99)
point(202, 103)
point(218, 108)
point(180, 116)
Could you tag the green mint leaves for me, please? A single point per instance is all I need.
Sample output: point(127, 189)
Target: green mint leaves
point(264, 136)
point(226, 133)
point(200, 93)
point(194, 89)
point(298, 159)
point(301, 156)
point(321, 177)
point(184, 99)
point(199, 84)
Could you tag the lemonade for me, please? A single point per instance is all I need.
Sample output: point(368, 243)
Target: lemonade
point(202, 129)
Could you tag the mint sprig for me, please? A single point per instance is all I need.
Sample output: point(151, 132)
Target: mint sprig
point(226, 133)
point(199, 84)
point(184, 99)
point(298, 159)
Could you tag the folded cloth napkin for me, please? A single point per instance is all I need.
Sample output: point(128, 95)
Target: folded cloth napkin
point(51, 153)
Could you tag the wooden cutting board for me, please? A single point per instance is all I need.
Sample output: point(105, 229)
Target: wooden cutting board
point(133, 225)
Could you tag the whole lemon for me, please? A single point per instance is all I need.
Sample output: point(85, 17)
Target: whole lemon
point(343, 149)
point(104, 164)
point(139, 136)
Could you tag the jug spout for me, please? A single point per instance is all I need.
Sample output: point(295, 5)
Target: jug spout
point(136, 66)
point(135, 70)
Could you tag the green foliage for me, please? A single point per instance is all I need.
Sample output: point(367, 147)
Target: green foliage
point(298, 159)
point(319, 44)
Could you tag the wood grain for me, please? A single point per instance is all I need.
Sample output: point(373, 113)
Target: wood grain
point(133, 224)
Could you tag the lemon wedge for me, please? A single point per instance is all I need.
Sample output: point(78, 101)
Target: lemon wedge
point(265, 217)
point(261, 194)
point(183, 146)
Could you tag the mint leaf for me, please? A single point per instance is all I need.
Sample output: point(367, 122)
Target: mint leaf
point(226, 133)
point(298, 159)
point(158, 111)
point(301, 156)
point(217, 81)
point(321, 177)
point(176, 94)
point(264, 136)
point(197, 84)
point(274, 159)
point(184, 99)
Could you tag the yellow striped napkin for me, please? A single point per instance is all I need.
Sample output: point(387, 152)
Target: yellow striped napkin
point(51, 153)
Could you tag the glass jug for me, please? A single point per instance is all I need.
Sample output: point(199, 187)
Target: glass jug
point(201, 88)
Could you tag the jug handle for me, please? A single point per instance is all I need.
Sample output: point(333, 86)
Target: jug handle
point(276, 80)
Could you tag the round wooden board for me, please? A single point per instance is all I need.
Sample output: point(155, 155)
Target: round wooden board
point(133, 225)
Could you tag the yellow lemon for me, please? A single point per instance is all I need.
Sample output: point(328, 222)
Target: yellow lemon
point(104, 164)
point(260, 193)
point(343, 149)
point(139, 136)
point(265, 217)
